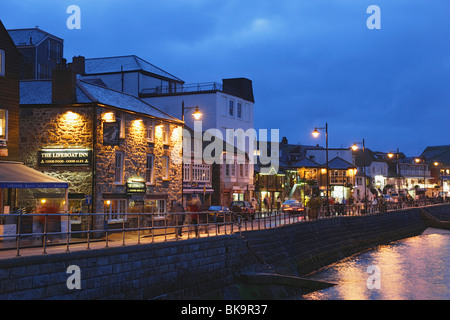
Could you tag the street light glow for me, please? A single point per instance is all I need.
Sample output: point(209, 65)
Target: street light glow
point(315, 133)
point(197, 114)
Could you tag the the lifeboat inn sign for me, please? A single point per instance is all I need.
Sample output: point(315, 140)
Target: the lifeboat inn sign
point(64, 157)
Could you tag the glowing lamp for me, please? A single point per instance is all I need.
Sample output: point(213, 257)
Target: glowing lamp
point(197, 113)
point(315, 133)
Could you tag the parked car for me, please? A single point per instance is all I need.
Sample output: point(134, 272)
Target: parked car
point(218, 214)
point(292, 206)
point(243, 208)
point(388, 198)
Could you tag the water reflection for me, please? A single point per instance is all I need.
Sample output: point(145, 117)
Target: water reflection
point(410, 269)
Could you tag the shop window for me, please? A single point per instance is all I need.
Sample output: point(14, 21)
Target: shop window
point(118, 173)
point(115, 209)
point(149, 169)
point(2, 63)
point(155, 206)
point(3, 124)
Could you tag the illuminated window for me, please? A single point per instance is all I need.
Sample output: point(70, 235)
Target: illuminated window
point(121, 119)
point(118, 173)
point(165, 167)
point(2, 63)
point(115, 209)
point(3, 124)
point(150, 131)
point(166, 131)
point(149, 169)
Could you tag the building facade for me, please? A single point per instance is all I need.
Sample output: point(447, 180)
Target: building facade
point(115, 151)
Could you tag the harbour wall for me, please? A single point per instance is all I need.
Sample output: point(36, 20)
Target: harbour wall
point(207, 268)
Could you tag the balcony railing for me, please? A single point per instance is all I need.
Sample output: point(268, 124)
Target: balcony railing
point(186, 88)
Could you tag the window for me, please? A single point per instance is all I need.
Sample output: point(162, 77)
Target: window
point(200, 173)
point(227, 170)
point(3, 124)
point(231, 108)
point(187, 172)
point(121, 119)
point(239, 110)
point(2, 62)
point(155, 206)
point(118, 173)
point(246, 169)
point(166, 131)
point(241, 170)
point(115, 209)
point(150, 131)
point(149, 169)
point(165, 167)
point(233, 170)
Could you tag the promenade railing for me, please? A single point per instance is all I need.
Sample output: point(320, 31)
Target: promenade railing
point(41, 230)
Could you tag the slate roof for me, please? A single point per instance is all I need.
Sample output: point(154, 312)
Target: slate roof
point(340, 164)
point(128, 63)
point(40, 92)
point(437, 153)
point(305, 163)
point(31, 36)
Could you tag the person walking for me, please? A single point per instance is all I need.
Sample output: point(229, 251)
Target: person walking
point(178, 217)
point(194, 206)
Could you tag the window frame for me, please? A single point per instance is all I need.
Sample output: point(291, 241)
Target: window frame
point(6, 125)
point(149, 180)
point(120, 168)
point(165, 168)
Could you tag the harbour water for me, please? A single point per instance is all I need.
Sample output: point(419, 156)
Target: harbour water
point(416, 268)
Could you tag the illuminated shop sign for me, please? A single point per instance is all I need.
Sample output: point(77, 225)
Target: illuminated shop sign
point(65, 157)
point(136, 187)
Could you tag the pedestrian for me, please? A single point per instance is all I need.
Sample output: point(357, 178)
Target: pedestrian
point(278, 203)
point(194, 206)
point(254, 203)
point(266, 203)
point(179, 218)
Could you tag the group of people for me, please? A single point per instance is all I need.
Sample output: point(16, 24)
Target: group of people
point(194, 208)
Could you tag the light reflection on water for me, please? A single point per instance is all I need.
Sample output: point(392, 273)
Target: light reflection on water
point(411, 269)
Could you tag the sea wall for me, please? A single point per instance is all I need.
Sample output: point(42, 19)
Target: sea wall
point(205, 268)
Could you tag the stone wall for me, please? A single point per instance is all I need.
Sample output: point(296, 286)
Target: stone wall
point(206, 267)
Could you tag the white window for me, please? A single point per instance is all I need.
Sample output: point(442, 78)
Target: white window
point(149, 169)
point(3, 124)
point(165, 167)
point(200, 173)
point(121, 119)
point(118, 173)
point(115, 209)
point(150, 131)
point(187, 172)
point(166, 131)
point(2, 62)
point(233, 170)
point(155, 206)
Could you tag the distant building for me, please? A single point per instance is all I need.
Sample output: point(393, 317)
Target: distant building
point(41, 52)
point(438, 159)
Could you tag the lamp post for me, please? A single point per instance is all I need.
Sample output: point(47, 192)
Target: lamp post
point(391, 155)
point(197, 115)
point(315, 135)
point(418, 160)
point(355, 147)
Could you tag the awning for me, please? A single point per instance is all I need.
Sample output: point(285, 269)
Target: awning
point(17, 175)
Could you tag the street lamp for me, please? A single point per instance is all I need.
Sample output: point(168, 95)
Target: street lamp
point(315, 134)
point(418, 160)
point(354, 148)
point(197, 114)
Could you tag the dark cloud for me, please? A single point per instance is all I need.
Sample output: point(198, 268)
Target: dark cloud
point(311, 62)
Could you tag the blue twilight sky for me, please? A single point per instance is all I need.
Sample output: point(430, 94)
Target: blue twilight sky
point(311, 61)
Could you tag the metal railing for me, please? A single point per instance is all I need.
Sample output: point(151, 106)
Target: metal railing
point(186, 88)
point(69, 230)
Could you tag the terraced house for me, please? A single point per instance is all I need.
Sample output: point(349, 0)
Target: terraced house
point(109, 146)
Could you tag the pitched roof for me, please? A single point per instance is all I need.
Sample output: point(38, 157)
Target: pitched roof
point(305, 163)
point(40, 92)
point(28, 37)
point(125, 64)
point(339, 164)
point(437, 153)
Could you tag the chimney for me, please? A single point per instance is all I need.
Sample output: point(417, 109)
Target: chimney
point(239, 87)
point(78, 65)
point(64, 84)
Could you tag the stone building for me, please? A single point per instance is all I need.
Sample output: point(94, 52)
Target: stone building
point(109, 146)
